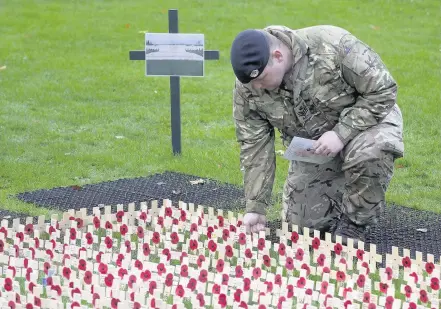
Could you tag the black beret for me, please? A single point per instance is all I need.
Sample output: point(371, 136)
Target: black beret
point(249, 55)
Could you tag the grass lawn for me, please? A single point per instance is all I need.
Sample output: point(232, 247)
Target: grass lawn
point(74, 110)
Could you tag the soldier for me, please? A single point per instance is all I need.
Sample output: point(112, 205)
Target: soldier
point(320, 83)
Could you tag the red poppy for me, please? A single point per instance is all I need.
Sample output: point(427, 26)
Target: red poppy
point(128, 245)
point(316, 243)
point(301, 282)
point(261, 244)
point(222, 300)
point(8, 284)
point(228, 251)
point(361, 281)
point(169, 280)
point(174, 238)
point(131, 281)
point(109, 242)
point(66, 272)
point(338, 248)
point(73, 234)
point(347, 303)
point(122, 272)
point(89, 238)
point(212, 245)
point(408, 291)
point(306, 267)
point(246, 284)
point(429, 267)
point(203, 274)
point(82, 264)
point(46, 267)
point(423, 296)
point(108, 225)
point(175, 221)
point(57, 288)
point(290, 291)
point(360, 254)
point(289, 263)
point(257, 272)
point(108, 280)
point(406, 262)
point(156, 238)
point(193, 227)
point(160, 268)
point(102, 268)
point(160, 221)
point(146, 275)
point(266, 260)
point(146, 249)
point(180, 290)
point(324, 287)
point(123, 229)
point(119, 216)
point(114, 303)
point(434, 283)
point(232, 228)
point(389, 273)
point(366, 297)
point(96, 222)
point(225, 234)
point(389, 302)
point(383, 287)
point(294, 237)
point(221, 221)
point(200, 260)
point(167, 253)
point(248, 253)
point(184, 271)
point(321, 260)
point(29, 228)
point(20, 236)
point(239, 271)
point(282, 249)
point(237, 295)
point(299, 254)
point(37, 301)
point(225, 279)
point(168, 211)
point(220, 265)
point(183, 216)
point(210, 231)
point(269, 286)
point(138, 264)
point(200, 298)
point(412, 305)
point(152, 287)
point(2, 246)
point(242, 239)
point(341, 276)
point(278, 280)
point(191, 285)
point(140, 232)
point(415, 276)
point(216, 289)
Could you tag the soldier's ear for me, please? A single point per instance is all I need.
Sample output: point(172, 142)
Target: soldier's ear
point(277, 55)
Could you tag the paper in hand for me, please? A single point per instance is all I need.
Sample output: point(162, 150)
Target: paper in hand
point(300, 150)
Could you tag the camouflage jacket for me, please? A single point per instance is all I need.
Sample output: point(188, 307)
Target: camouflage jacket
point(337, 83)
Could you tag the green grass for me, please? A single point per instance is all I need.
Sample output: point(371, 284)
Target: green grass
point(69, 90)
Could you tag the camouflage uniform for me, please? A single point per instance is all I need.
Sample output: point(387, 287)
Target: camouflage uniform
point(337, 83)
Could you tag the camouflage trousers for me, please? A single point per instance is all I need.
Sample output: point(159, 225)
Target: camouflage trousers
point(353, 183)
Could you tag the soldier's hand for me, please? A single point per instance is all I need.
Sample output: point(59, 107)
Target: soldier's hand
point(254, 222)
point(329, 144)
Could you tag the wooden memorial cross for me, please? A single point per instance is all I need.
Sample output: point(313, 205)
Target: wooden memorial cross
point(174, 82)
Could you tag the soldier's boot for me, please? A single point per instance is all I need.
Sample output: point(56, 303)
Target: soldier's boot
point(345, 228)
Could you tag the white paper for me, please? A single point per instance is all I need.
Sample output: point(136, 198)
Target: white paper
point(300, 150)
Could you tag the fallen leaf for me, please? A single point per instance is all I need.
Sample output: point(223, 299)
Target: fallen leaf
point(176, 191)
point(400, 166)
point(422, 230)
point(160, 183)
point(3, 68)
point(127, 25)
point(196, 182)
point(143, 31)
point(119, 137)
point(374, 27)
point(280, 152)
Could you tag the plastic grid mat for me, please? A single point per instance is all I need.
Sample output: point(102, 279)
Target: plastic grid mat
point(399, 226)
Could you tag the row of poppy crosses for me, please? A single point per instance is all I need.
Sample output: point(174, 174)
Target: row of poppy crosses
point(182, 255)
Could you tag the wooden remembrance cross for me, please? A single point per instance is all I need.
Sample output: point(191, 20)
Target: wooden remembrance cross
point(174, 82)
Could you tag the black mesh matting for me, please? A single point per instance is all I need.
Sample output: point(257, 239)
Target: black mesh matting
point(399, 226)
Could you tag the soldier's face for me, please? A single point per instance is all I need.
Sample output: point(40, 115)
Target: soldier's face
point(272, 75)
